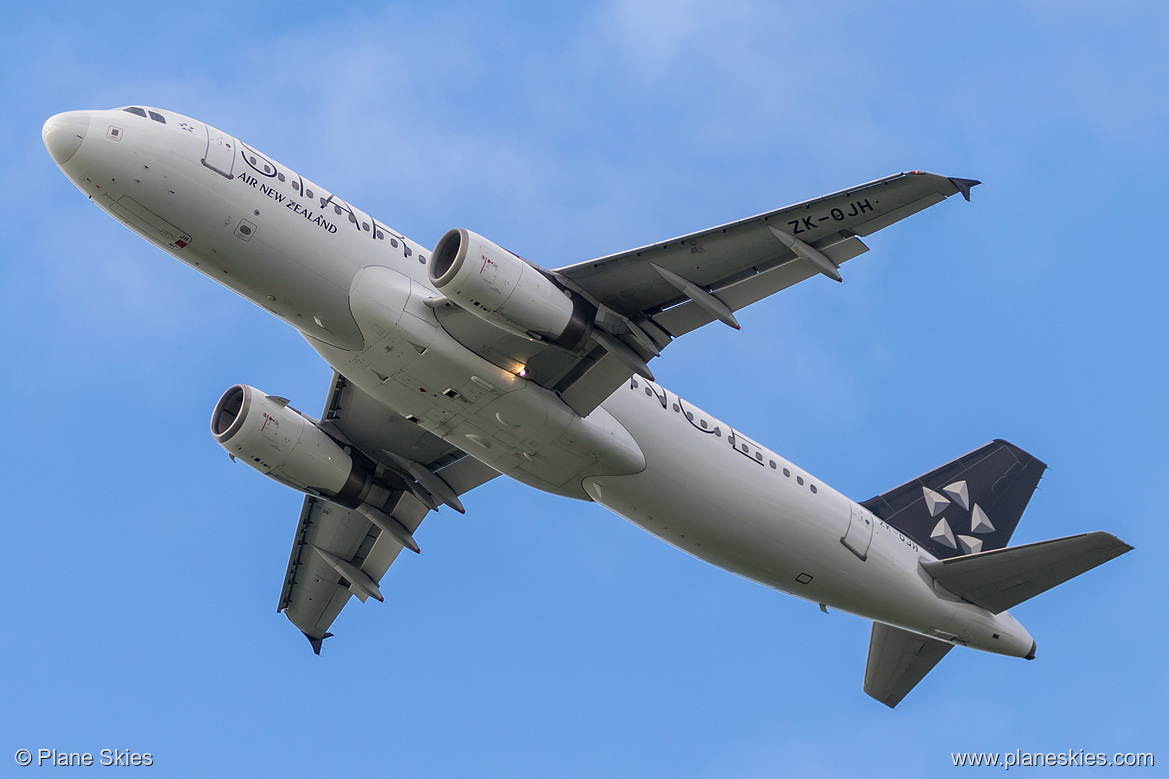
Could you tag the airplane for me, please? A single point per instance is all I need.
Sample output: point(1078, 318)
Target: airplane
point(454, 365)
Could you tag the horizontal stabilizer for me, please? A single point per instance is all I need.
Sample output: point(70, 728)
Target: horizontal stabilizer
point(1000, 579)
point(898, 660)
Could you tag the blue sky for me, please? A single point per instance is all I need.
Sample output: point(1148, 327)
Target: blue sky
point(536, 636)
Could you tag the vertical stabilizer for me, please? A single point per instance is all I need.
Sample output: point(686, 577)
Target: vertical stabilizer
point(969, 505)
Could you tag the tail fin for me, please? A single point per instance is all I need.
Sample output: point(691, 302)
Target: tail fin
point(898, 660)
point(1003, 578)
point(969, 505)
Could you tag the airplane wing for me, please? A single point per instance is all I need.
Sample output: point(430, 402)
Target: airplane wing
point(647, 297)
point(745, 261)
point(898, 660)
point(338, 553)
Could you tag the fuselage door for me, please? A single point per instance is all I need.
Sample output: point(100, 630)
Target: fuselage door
point(221, 148)
point(860, 532)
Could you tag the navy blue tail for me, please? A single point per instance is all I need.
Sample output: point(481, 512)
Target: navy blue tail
point(971, 504)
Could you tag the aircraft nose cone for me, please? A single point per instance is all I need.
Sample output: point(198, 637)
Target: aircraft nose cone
point(64, 133)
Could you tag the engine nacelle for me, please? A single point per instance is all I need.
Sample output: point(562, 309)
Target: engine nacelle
point(504, 289)
point(278, 441)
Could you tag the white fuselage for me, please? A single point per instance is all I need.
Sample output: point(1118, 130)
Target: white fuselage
point(357, 291)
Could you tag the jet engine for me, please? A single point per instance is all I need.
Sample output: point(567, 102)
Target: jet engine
point(278, 441)
point(505, 289)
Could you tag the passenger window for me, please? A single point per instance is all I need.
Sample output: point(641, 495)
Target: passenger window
point(135, 111)
point(157, 117)
point(787, 473)
point(773, 465)
point(800, 480)
point(812, 487)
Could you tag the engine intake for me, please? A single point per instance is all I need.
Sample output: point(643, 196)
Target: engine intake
point(504, 289)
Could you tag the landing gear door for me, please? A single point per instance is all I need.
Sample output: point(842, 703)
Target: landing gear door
point(860, 532)
point(220, 156)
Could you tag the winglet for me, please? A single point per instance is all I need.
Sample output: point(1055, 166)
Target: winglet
point(316, 642)
point(964, 186)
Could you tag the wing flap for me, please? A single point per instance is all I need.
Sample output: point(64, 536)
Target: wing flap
point(314, 591)
point(898, 660)
point(310, 597)
point(753, 286)
point(1003, 578)
point(596, 382)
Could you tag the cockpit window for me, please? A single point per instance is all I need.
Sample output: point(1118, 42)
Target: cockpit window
point(136, 111)
point(157, 117)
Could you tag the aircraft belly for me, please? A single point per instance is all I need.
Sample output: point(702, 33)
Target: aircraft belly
point(700, 494)
point(419, 371)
